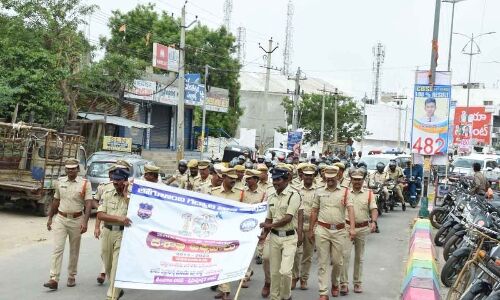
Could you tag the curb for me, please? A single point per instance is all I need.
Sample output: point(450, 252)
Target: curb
point(421, 277)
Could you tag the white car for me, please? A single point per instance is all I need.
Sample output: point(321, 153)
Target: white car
point(371, 161)
point(489, 165)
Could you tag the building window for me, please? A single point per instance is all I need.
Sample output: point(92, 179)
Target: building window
point(488, 103)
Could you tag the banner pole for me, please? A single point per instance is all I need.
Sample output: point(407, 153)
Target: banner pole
point(237, 295)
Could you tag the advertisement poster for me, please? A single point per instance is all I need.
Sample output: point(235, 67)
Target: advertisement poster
point(142, 90)
point(295, 142)
point(113, 143)
point(431, 108)
point(165, 58)
point(471, 124)
point(182, 240)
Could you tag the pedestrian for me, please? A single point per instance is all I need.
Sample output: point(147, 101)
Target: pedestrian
point(180, 176)
point(228, 191)
point(103, 187)
point(303, 256)
point(329, 213)
point(203, 174)
point(365, 214)
point(113, 212)
point(281, 220)
point(479, 183)
point(71, 204)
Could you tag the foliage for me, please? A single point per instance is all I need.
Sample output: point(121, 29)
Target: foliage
point(309, 117)
point(143, 26)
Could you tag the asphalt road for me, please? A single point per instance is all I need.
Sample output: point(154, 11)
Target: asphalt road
point(25, 269)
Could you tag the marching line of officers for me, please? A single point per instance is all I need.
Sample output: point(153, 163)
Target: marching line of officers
point(317, 209)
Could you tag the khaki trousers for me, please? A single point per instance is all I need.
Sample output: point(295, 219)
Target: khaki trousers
point(303, 257)
point(110, 250)
point(265, 259)
point(65, 227)
point(282, 253)
point(359, 251)
point(329, 246)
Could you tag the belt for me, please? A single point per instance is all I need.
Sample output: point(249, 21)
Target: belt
point(70, 215)
point(361, 224)
point(283, 233)
point(332, 226)
point(114, 227)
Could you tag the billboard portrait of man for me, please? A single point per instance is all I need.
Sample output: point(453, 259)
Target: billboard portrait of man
point(430, 110)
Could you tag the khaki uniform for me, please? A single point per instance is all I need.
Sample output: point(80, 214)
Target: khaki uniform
point(72, 196)
point(180, 179)
point(282, 248)
point(263, 248)
point(198, 182)
point(363, 202)
point(303, 256)
point(331, 205)
point(116, 205)
point(240, 185)
point(344, 182)
point(236, 195)
point(98, 197)
point(379, 178)
point(395, 176)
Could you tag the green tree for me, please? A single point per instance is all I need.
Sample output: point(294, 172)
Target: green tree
point(309, 117)
point(143, 25)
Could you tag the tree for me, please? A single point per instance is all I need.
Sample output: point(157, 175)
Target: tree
point(309, 117)
point(142, 26)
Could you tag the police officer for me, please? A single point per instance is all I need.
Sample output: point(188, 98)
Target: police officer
point(378, 178)
point(180, 177)
point(329, 213)
point(113, 212)
point(365, 213)
point(203, 174)
point(192, 174)
point(215, 181)
point(281, 220)
point(98, 198)
point(152, 173)
point(396, 173)
point(253, 195)
point(303, 256)
point(228, 191)
point(240, 171)
point(264, 183)
point(479, 184)
point(344, 181)
point(72, 196)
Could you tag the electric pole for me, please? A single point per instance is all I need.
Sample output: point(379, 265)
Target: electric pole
point(203, 122)
point(435, 37)
point(399, 101)
point(268, 67)
point(453, 2)
point(298, 77)
point(182, 70)
point(324, 91)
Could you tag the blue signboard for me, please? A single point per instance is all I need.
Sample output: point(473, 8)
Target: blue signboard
point(295, 142)
point(194, 91)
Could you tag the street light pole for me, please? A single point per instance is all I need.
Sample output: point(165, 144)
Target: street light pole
point(323, 114)
point(453, 2)
point(202, 148)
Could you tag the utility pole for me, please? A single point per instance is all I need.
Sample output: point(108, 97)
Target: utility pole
point(202, 149)
point(268, 67)
point(364, 100)
point(336, 137)
point(324, 91)
point(435, 37)
point(182, 70)
point(453, 2)
point(298, 77)
point(399, 101)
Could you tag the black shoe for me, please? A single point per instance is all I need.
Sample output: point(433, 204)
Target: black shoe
point(214, 288)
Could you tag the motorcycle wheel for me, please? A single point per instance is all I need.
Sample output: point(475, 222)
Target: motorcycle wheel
point(437, 217)
point(494, 296)
point(449, 235)
point(478, 291)
point(451, 268)
point(404, 207)
point(450, 246)
point(440, 236)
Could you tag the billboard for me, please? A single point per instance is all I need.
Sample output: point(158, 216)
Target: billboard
point(472, 124)
point(141, 90)
point(295, 142)
point(165, 58)
point(431, 108)
point(113, 143)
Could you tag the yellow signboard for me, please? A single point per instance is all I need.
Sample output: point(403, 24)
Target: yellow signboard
point(112, 143)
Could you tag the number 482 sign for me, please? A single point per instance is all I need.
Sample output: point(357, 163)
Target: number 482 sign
point(430, 118)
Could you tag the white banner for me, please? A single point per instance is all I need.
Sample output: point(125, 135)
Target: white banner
point(182, 240)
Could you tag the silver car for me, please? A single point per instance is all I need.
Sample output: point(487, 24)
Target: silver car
point(100, 163)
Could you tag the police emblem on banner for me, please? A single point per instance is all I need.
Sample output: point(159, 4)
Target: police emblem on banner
point(145, 211)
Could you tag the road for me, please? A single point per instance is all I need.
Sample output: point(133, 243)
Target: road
point(26, 246)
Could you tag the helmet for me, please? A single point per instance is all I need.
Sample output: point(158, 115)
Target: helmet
point(241, 159)
point(183, 162)
point(335, 159)
point(260, 159)
point(233, 162)
point(392, 165)
point(380, 167)
point(289, 160)
point(362, 164)
point(248, 165)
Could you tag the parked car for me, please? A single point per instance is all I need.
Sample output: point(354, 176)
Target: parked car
point(100, 162)
point(489, 165)
point(371, 161)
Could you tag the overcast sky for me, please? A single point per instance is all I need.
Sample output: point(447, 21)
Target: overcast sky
point(333, 39)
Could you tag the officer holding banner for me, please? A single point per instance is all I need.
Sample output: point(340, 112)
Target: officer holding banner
point(113, 212)
point(281, 220)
